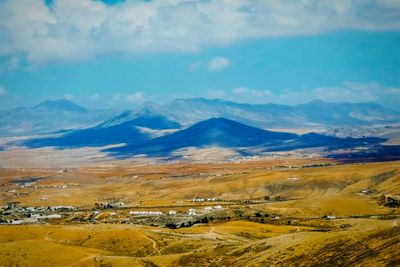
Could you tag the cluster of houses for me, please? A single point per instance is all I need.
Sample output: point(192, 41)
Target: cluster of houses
point(200, 199)
point(13, 206)
point(152, 213)
point(30, 215)
point(190, 212)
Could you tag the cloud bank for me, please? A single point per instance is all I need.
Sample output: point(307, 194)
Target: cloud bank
point(78, 29)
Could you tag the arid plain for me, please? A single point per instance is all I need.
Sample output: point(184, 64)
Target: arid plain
point(282, 212)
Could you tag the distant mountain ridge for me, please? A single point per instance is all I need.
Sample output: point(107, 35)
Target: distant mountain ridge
point(50, 116)
point(314, 113)
point(60, 105)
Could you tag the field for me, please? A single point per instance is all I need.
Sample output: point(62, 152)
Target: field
point(286, 212)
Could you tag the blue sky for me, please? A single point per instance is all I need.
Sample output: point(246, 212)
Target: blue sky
point(121, 53)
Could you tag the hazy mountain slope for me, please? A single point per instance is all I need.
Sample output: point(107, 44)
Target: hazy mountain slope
point(50, 116)
point(321, 112)
point(189, 111)
point(314, 113)
point(148, 115)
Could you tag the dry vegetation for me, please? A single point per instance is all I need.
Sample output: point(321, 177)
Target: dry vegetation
point(273, 215)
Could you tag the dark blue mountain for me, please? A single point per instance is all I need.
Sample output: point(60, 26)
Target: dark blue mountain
point(230, 134)
point(115, 131)
point(213, 132)
point(96, 136)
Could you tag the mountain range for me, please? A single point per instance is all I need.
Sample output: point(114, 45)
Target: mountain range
point(160, 130)
point(224, 133)
point(51, 116)
point(215, 132)
point(314, 113)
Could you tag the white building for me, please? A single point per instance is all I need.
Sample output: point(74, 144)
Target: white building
point(172, 212)
point(143, 212)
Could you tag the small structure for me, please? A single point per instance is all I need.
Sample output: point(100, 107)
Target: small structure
point(12, 205)
point(218, 207)
point(172, 212)
point(198, 199)
point(62, 208)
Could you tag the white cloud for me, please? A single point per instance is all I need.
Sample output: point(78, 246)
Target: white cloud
point(3, 91)
point(77, 29)
point(135, 97)
point(218, 63)
point(250, 92)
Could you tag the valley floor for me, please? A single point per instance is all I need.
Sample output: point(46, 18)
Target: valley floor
point(286, 212)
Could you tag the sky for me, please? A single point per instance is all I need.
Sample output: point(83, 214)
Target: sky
point(119, 54)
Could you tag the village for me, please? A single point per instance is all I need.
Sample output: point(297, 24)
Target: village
point(183, 213)
point(193, 211)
